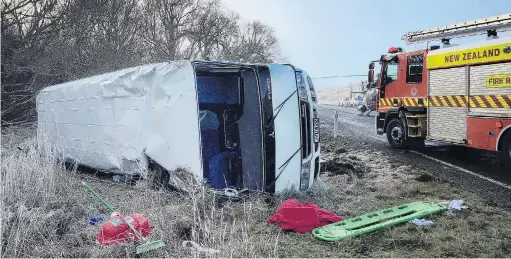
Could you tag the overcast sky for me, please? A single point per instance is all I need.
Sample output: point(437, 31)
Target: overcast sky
point(341, 37)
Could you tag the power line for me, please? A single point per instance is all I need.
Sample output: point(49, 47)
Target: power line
point(324, 77)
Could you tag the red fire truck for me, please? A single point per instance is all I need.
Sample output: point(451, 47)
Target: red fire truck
point(452, 94)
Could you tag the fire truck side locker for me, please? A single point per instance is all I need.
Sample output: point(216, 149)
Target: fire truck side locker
point(483, 123)
point(447, 124)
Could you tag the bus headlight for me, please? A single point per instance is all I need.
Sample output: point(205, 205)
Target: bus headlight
point(300, 84)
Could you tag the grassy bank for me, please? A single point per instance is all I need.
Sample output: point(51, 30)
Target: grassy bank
point(46, 211)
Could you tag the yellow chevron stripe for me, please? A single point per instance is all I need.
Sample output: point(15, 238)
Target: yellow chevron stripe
point(444, 101)
point(451, 100)
point(477, 101)
point(461, 101)
point(502, 101)
point(472, 103)
point(491, 102)
point(480, 101)
point(434, 102)
point(383, 102)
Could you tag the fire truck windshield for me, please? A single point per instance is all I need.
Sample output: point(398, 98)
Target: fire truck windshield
point(390, 72)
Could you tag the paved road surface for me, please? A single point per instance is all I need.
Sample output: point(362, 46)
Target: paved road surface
point(474, 169)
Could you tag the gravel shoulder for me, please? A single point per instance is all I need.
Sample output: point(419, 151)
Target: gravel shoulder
point(358, 133)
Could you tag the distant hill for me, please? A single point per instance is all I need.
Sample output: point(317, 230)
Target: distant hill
point(333, 96)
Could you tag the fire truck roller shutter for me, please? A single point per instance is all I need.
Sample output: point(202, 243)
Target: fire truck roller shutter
point(446, 122)
point(490, 90)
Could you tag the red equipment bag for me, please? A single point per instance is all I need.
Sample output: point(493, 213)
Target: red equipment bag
point(115, 230)
point(302, 218)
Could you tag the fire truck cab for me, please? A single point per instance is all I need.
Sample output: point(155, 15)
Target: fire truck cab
point(454, 94)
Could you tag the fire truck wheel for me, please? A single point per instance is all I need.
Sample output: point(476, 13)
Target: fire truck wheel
point(505, 152)
point(396, 133)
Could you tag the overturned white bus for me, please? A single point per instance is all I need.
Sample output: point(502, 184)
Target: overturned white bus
point(242, 126)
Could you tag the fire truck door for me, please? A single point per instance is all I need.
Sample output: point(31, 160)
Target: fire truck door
point(447, 121)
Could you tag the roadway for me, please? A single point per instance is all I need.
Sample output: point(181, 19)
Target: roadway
point(478, 170)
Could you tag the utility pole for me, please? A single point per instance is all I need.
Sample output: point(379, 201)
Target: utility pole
point(336, 116)
point(351, 94)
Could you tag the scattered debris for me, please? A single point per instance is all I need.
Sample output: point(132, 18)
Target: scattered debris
point(182, 180)
point(119, 178)
point(302, 218)
point(422, 222)
point(376, 220)
point(230, 194)
point(96, 220)
point(457, 205)
point(122, 178)
point(425, 178)
point(115, 230)
point(354, 158)
point(341, 150)
point(344, 165)
point(199, 249)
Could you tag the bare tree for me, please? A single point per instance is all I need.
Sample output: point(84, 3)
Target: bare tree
point(210, 29)
point(102, 35)
point(255, 42)
point(166, 24)
point(28, 26)
point(46, 42)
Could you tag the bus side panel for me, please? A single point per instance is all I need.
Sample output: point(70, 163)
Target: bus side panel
point(98, 121)
point(287, 127)
point(174, 138)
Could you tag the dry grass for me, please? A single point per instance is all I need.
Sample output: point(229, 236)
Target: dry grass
point(46, 211)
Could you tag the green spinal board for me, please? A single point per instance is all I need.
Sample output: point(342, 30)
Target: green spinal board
point(376, 220)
